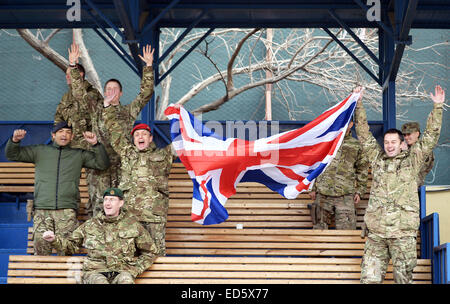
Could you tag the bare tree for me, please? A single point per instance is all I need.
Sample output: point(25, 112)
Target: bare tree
point(307, 56)
point(41, 44)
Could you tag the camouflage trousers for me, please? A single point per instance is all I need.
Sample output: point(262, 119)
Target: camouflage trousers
point(377, 253)
point(341, 209)
point(113, 277)
point(98, 182)
point(158, 233)
point(62, 222)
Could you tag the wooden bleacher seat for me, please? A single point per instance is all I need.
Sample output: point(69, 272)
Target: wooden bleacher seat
point(275, 245)
point(18, 177)
point(210, 270)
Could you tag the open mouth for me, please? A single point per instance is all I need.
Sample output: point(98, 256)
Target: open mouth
point(141, 143)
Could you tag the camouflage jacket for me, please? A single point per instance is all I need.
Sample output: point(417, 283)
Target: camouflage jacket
point(76, 115)
point(425, 169)
point(126, 113)
point(113, 244)
point(144, 174)
point(347, 173)
point(393, 209)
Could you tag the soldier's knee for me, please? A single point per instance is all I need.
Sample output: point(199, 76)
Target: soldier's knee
point(94, 278)
point(123, 278)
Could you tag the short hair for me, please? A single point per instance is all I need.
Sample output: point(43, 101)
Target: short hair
point(394, 131)
point(81, 69)
point(113, 80)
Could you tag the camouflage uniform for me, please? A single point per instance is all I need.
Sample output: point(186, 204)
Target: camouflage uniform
point(336, 187)
point(144, 179)
point(76, 114)
point(392, 215)
point(118, 248)
point(428, 162)
point(100, 180)
point(61, 221)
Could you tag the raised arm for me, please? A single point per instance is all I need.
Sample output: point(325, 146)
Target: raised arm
point(361, 174)
point(116, 129)
point(370, 147)
point(97, 158)
point(15, 152)
point(430, 137)
point(147, 83)
point(89, 99)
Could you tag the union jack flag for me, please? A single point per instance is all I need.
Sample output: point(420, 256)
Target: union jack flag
point(287, 163)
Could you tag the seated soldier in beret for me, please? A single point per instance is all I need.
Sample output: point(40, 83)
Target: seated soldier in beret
point(118, 247)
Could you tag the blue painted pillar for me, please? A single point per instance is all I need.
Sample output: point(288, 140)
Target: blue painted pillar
point(386, 54)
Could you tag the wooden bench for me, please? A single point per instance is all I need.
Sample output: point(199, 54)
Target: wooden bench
point(276, 234)
point(18, 177)
point(210, 270)
point(272, 225)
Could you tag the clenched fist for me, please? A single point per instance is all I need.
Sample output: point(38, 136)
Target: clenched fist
point(90, 137)
point(18, 135)
point(49, 236)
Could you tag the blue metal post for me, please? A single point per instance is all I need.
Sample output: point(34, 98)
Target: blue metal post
point(386, 53)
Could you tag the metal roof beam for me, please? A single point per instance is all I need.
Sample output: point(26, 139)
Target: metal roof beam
point(404, 14)
point(352, 55)
point(354, 36)
point(129, 30)
point(155, 20)
point(161, 78)
point(185, 32)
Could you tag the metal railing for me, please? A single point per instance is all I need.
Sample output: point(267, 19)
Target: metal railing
point(441, 256)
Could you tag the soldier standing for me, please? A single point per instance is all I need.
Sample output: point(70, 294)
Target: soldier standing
point(58, 168)
point(340, 186)
point(73, 112)
point(127, 114)
point(411, 133)
point(392, 215)
point(145, 175)
point(118, 247)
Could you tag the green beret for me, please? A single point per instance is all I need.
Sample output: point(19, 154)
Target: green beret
point(113, 192)
point(410, 127)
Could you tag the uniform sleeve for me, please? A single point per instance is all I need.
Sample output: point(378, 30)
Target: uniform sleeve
point(59, 114)
point(361, 173)
point(97, 158)
point(15, 152)
point(116, 130)
point(370, 148)
point(147, 251)
point(171, 152)
point(430, 138)
point(89, 100)
point(71, 244)
point(146, 91)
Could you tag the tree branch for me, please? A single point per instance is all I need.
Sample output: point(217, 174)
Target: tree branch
point(44, 49)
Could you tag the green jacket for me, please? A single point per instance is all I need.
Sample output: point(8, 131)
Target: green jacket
point(57, 171)
point(113, 244)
